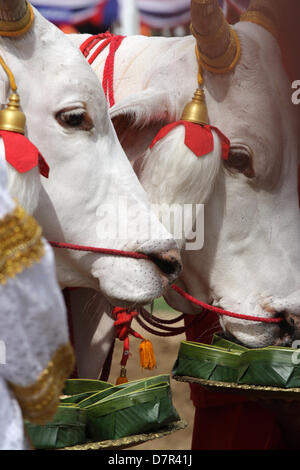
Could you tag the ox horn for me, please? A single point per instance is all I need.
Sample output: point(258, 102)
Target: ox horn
point(266, 13)
point(218, 44)
point(16, 17)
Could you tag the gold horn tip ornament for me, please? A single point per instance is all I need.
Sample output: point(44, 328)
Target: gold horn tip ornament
point(196, 110)
point(11, 117)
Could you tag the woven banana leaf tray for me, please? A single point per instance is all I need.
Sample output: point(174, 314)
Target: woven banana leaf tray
point(94, 414)
point(271, 372)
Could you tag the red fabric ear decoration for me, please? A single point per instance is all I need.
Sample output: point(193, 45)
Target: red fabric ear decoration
point(198, 138)
point(22, 154)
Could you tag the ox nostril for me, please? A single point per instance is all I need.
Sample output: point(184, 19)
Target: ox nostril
point(169, 263)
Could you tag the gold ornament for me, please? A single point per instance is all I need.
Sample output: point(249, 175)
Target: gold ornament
point(12, 118)
point(196, 110)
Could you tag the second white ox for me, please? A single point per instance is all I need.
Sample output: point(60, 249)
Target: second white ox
point(250, 262)
point(67, 119)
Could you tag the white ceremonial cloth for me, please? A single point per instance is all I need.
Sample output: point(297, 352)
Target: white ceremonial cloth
point(33, 327)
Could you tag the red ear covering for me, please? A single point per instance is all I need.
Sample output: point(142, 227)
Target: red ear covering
point(22, 154)
point(199, 139)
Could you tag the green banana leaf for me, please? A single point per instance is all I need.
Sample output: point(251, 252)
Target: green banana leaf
point(76, 399)
point(106, 412)
point(207, 362)
point(67, 428)
point(226, 344)
point(123, 388)
point(272, 366)
point(225, 361)
point(78, 386)
point(136, 412)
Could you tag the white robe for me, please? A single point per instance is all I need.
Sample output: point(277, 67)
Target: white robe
point(35, 354)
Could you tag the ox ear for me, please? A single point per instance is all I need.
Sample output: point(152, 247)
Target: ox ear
point(138, 118)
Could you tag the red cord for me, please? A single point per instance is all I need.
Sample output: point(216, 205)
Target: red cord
point(108, 72)
point(105, 251)
point(220, 311)
point(123, 319)
point(133, 254)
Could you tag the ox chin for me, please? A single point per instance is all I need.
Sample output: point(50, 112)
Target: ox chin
point(256, 334)
point(129, 282)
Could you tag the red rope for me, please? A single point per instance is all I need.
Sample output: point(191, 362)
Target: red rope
point(168, 330)
point(133, 254)
point(114, 43)
point(105, 251)
point(123, 320)
point(108, 72)
point(162, 321)
point(220, 311)
point(89, 44)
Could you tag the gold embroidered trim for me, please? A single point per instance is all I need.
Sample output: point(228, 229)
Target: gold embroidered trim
point(225, 63)
point(39, 401)
point(20, 243)
point(19, 27)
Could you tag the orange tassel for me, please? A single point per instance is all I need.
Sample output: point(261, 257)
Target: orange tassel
point(122, 379)
point(147, 356)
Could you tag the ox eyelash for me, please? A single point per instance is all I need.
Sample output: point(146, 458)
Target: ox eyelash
point(73, 112)
point(76, 118)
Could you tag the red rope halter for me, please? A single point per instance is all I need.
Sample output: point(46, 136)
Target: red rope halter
point(108, 73)
point(135, 255)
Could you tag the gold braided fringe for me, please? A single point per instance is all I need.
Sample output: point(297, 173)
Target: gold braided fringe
point(20, 243)
point(262, 20)
point(39, 401)
point(17, 28)
point(225, 63)
point(210, 40)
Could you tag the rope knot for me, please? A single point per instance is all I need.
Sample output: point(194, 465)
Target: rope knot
point(123, 319)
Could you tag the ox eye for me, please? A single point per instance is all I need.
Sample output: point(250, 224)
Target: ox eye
point(75, 118)
point(240, 161)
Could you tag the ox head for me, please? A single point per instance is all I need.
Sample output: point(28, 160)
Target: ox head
point(252, 217)
point(91, 185)
point(250, 262)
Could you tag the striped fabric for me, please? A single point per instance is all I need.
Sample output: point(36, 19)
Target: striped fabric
point(162, 14)
point(74, 12)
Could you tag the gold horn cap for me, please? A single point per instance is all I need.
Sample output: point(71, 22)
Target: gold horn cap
point(12, 118)
point(196, 110)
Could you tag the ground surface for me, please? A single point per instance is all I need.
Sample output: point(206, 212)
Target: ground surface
point(166, 350)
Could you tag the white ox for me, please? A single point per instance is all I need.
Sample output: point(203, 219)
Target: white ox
point(250, 262)
point(67, 119)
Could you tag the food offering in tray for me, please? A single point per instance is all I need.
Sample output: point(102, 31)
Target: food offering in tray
point(272, 371)
point(95, 411)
